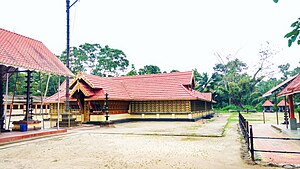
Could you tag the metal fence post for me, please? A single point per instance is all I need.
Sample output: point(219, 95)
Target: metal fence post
point(251, 143)
point(247, 134)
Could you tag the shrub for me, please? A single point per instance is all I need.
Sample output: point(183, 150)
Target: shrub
point(249, 107)
point(230, 107)
point(297, 109)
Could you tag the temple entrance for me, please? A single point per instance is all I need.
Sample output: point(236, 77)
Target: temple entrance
point(82, 106)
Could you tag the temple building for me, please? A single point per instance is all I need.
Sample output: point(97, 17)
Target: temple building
point(168, 96)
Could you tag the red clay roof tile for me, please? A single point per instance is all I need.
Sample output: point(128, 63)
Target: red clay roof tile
point(292, 88)
point(23, 52)
point(268, 103)
point(282, 103)
point(167, 86)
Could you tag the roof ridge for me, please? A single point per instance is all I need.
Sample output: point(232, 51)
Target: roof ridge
point(150, 75)
point(189, 92)
point(125, 87)
point(20, 35)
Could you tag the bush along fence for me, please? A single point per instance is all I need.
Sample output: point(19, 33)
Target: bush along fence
point(247, 132)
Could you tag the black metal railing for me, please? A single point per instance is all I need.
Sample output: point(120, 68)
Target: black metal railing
point(247, 132)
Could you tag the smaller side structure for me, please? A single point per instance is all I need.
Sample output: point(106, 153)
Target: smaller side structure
point(283, 104)
point(268, 106)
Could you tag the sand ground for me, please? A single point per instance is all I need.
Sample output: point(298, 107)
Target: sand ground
point(203, 144)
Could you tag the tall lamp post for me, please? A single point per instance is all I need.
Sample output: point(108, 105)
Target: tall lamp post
point(68, 6)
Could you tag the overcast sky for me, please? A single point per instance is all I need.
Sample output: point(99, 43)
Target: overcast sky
point(172, 34)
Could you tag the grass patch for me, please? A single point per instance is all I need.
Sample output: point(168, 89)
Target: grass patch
point(229, 120)
point(210, 120)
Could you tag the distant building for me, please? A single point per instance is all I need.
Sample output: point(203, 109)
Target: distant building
point(168, 96)
point(283, 104)
point(268, 106)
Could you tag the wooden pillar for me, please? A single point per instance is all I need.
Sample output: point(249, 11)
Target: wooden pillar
point(276, 110)
point(1, 99)
point(291, 106)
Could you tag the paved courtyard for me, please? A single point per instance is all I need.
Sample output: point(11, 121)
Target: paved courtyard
point(134, 145)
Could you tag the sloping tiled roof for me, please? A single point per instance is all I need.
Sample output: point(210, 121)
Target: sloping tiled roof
point(268, 103)
point(282, 103)
point(167, 86)
point(62, 95)
point(292, 88)
point(279, 86)
point(22, 52)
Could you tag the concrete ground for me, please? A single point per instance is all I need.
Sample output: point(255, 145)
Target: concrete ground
point(134, 145)
point(211, 143)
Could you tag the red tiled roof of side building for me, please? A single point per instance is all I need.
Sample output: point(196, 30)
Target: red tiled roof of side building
point(282, 103)
point(268, 103)
point(203, 96)
point(23, 52)
point(276, 88)
point(292, 88)
point(62, 95)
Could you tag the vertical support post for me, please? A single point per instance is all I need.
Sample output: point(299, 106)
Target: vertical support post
point(264, 118)
point(68, 58)
point(276, 109)
point(58, 103)
point(247, 134)
point(277, 118)
point(285, 114)
point(106, 107)
point(291, 106)
point(251, 143)
point(1, 99)
point(28, 103)
point(293, 121)
point(6, 102)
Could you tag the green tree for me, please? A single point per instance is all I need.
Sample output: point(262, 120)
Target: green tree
point(293, 35)
point(97, 60)
point(294, 71)
point(149, 69)
point(204, 82)
point(174, 70)
point(284, 70)
point(133, 71)
point(110, 62)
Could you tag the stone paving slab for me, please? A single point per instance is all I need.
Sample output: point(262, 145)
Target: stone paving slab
point(266, 130)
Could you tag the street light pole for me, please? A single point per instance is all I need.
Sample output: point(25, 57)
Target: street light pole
point(68, 6)
point(68, 54)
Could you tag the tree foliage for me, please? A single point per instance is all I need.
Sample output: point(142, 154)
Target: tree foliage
point(133, 71)
point(16, 84)
point(293, 35)
point(231, 83)
point(149, 69)
point(101, 61)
